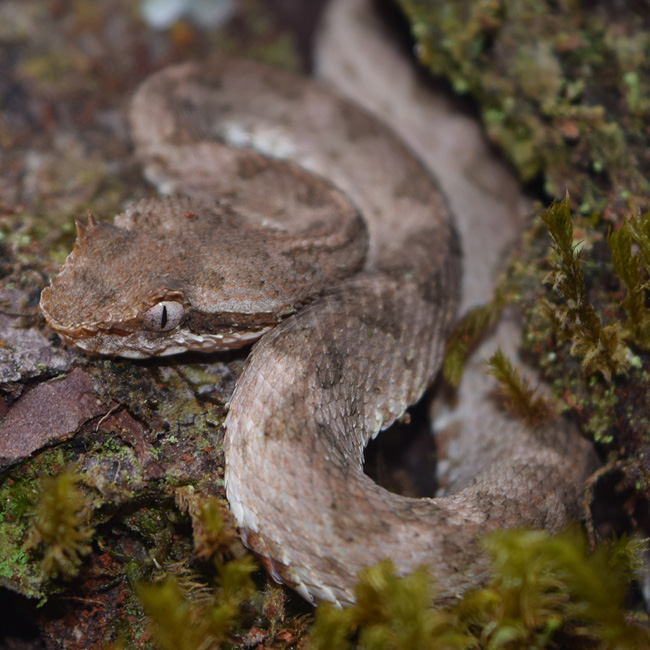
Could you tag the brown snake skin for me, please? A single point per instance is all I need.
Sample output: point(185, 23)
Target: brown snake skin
point(360, 334)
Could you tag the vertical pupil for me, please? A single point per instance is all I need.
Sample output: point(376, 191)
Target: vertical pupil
point(163, 320)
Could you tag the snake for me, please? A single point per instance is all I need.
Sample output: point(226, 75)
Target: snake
point(290, 218)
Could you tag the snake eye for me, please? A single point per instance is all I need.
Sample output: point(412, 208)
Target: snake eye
point(163, 317)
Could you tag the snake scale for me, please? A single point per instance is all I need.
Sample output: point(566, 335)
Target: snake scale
point(297, 217)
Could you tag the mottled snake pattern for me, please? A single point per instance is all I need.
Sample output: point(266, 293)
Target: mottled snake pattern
point(299, 219)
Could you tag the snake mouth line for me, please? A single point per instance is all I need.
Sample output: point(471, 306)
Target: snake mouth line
point(137, 345)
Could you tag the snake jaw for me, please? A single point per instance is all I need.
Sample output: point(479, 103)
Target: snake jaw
point(141, 345)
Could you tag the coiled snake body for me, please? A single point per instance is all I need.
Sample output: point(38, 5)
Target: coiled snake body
point(352, 323)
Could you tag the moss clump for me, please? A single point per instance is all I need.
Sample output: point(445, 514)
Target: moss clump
point(588, 326)
point(546, 588)
point(214, 530)
point(391, 613)
point(633, 270)
point(61, 531)
point(546, 591)
point(516, 393)
point(562, 90)
point(185, 615)
point(469, 330)
point(598, 347)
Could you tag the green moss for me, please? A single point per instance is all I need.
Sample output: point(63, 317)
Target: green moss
point(639, 229)
point(588, 325)
point(631, 267)
point(390, 613)
point(598, 347)
point(546, 591)
point(564, 92)
point(213, 526)
point(19, 567)
point(61, 531)
point(467, 333)
point(185, 615)
point(544, 585)
point(516, 393)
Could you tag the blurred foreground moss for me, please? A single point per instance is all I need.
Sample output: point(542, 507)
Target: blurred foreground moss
point(61, 531)
point(185, 615)
point(546, 592)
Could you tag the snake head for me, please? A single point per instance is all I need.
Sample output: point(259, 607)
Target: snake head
point(176, 273)
point(160, 280)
